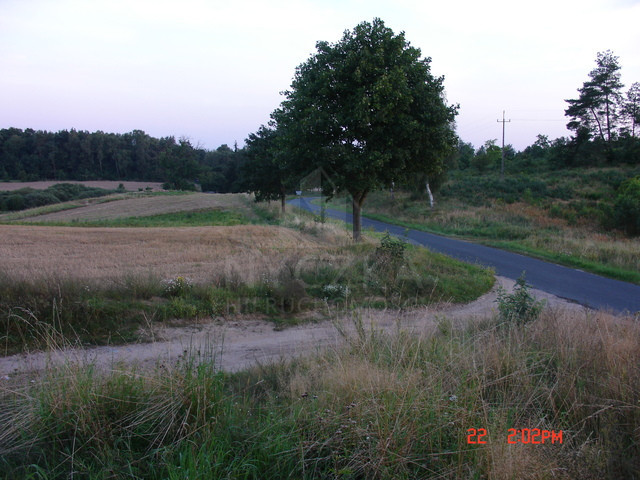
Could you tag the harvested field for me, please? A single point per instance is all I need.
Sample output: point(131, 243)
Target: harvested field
point(144, 206)
point(103, 254)
point(106, 184)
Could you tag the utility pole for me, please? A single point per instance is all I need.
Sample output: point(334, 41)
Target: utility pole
point(503, 121)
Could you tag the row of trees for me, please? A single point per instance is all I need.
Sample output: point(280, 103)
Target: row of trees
point(30, 155)
point(545, 154)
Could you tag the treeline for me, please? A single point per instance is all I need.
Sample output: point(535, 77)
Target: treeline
point(545, 154)
point(30, 155)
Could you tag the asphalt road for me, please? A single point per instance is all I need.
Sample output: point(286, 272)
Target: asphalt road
point(569, 283)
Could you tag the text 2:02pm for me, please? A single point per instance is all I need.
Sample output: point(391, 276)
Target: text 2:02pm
point(534, 436)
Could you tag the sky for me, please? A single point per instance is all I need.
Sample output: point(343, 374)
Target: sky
point(212, 71)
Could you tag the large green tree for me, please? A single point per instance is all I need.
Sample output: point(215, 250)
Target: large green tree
point(368, 112)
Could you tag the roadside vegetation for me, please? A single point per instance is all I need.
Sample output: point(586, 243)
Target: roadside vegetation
point(401, 405)
point(566, 216)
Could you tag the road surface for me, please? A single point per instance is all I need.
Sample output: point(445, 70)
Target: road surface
point(576, 285)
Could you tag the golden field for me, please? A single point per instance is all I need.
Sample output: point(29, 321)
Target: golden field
point(143, 205)
point(200, 253)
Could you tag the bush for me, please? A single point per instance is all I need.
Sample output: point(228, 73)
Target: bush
point(519, 307)
point(15, 202)
point(177, 287)
point(38, 199)
point(62, 192)
point(626, 209)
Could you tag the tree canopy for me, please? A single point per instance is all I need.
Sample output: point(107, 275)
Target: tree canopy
point(265, 172)
point(597, 110)
point(368, 112)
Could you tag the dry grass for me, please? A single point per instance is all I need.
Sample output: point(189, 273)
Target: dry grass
point(551, 234)
point(106, 184)
point(144, 206)
point(525, 228)
point(386, 406)
point(200, 253)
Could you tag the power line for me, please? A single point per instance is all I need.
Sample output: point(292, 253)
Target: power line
point(503, 121)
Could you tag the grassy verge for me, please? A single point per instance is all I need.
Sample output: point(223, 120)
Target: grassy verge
point(196, 218)
point(517, 227)
point(387, 406)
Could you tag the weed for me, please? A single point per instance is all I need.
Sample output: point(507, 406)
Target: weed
point(519, 307)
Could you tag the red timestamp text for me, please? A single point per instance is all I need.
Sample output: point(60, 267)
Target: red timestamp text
point(533, 436)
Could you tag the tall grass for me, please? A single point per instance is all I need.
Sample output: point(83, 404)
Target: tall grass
point(384, 406)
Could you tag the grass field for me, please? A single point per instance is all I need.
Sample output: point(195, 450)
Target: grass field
point(386, 406)
point(144, 205)
point(103, 254)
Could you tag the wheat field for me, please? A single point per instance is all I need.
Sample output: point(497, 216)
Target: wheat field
point(99, 254)
point(144, 206)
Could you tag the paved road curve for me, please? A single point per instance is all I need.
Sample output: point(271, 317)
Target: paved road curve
point(582, 287)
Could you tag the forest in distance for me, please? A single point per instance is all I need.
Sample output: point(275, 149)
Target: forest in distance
point(31, 155)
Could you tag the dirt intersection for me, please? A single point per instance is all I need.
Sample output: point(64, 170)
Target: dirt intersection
point(243, 342)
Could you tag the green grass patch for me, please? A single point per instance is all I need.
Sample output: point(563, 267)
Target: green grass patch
point(195, 218)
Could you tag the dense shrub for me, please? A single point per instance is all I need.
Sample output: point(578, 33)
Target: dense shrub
point(62, 192)
point(14, 202)
point(477, 190)
point(627, 206)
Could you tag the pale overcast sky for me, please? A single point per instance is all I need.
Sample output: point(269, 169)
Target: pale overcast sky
point(213, 71)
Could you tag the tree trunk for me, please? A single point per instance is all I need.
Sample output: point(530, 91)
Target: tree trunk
point(598, 122)
point(426, 184)
point(283, 203)
point(357, 201)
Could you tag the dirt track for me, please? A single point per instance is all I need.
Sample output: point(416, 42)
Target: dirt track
point(241, 343)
